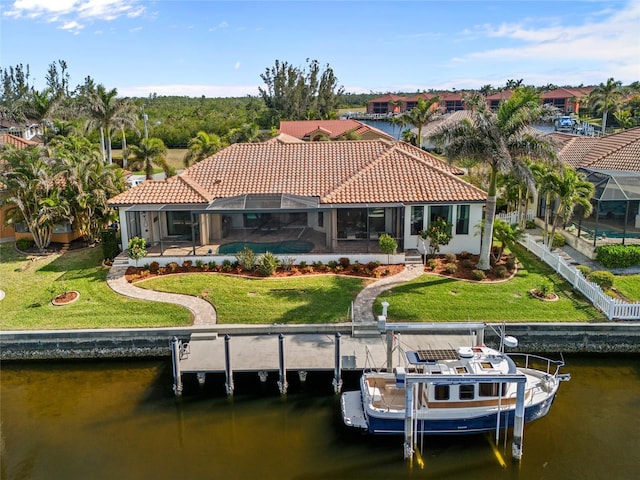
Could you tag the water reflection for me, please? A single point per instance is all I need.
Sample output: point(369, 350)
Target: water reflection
point(105, 420)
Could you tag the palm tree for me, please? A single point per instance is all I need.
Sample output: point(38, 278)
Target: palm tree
point(423, 113)
point(40, 106)
point(202, 146)
point(606, 96)
point(106, 110)
point(506, 235)
point(32, 190)
point(151, 151)
point(546, 180)
point(126, 120)
point(502, 140)
point(571, 190)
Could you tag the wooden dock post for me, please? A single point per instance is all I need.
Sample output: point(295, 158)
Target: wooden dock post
point(227, 366)
point(175, 357)
point(337, 372)
point(282, 383)
point(518, 423)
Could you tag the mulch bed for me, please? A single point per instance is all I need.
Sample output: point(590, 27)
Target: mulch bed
point(466, 273)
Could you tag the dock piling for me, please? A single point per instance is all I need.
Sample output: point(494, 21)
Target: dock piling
point(175, 357)
point(337, 375)
point(227, 366)
point(282, 382)
point(518, 424)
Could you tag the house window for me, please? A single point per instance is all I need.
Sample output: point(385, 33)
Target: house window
point(179, 224)
point(321, 219)
point(462, 220)
point(441, 392)
point(440, 211)
point(417, 219)
point(467, 392)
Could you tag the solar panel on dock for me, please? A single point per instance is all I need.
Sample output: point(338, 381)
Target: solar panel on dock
point(432, 355)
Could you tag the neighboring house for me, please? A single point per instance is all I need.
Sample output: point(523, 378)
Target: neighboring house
point(612, 164)
point(304, 198)
point(395, 104)
point(62, 233)
point(320, 130)
point(567, 100)
point(28, 130)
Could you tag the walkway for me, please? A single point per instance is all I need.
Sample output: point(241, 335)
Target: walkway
point(203, 312)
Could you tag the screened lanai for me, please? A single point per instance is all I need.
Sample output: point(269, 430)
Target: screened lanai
point(615, 217)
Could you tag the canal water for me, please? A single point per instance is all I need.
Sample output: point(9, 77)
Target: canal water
point(120, 420)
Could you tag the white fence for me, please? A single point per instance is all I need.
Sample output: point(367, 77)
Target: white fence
point(512, 217)
point(611, 307)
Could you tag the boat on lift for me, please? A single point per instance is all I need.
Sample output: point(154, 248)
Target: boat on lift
point(454, 391)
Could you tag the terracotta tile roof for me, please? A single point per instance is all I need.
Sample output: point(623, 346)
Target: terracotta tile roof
point(566, 93)
point(332, 128)
point(18, 142)
point(619, 151)
point(375, 171)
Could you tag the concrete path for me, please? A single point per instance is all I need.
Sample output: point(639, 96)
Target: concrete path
point(363, 304)
point(202, 311)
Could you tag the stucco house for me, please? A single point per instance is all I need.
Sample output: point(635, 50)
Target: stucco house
point(317, 200)
point(322, 130)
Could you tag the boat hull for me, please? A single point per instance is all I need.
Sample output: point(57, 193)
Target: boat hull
point(394, 424)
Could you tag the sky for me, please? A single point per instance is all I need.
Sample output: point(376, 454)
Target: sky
point(220, 48)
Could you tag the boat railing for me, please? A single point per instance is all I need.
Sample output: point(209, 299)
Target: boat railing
point(526, 360)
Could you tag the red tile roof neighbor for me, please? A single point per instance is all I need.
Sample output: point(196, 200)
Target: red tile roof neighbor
point(375, 171)
point(619, 151)
point(18, 142)
point(331, 128)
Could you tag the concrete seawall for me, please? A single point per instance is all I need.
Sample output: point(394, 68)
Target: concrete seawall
point(623, 337)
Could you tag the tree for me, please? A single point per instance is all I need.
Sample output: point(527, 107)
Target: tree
point(32, 190)
point(151, 151)
point(293, 93)
point(571, 190)
point(502, 141)
point(606, 97)
point(106, 111)
point(388, 245)
point(200, 147)
point(506, 235)
point(438, 233)
point(41, 106)
point(423, 113)
point(137, 248)
point(546, 180)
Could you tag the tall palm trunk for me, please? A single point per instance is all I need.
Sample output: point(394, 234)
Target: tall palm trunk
point(104, 157)
point(125, 154)
point(484, 263)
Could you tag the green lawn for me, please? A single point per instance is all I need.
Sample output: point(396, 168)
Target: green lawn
point(31, 285)
point(629, 286)
point(433, 298)
point(313, 299)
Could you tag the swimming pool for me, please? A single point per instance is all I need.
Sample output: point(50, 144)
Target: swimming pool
point(285, 246)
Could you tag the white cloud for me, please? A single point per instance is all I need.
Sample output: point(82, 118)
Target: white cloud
point(73, 14)
point(212, 91)
point(236, 66)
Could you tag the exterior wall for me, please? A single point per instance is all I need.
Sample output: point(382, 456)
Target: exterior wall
point(469, 242)
point(65, 237)
point(7, 232)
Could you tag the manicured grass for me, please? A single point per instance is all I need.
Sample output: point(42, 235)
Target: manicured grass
point(433, 298)
point(31, 285)
point(312, 299)
point(629, 286)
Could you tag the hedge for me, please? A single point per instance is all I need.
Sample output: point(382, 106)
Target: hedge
point(618, 256)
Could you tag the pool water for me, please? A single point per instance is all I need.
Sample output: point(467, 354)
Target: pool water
point(285, 246)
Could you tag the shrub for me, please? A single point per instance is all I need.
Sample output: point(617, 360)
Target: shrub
point(187, 264)
point(109, 241)
point(431, 263)
point(450, 268)
point(268, 263)
point(332, 264)
point(584, 270)
point(618, 256)
point(357, 267)
point(373, 265)
point(303, 265)
point(172, 267)
point(308, 269)
point(501, 271)
point(199, 263)
point(344, 262)
point(602, 278)
point(318, 265)
point(450, 257)
point(246, 259)
point(531, 224)
point(287, 263)
point(226, 265)
point(26, 244)
point(467, 263)
point(478, 275)
point(510, 263)
point(464, 254)
point(212, 265)
point(545, 288)
point(558, 241)
point(137, 248)
point(154, 267)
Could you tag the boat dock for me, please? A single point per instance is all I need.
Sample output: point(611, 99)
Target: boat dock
point(300, 351)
